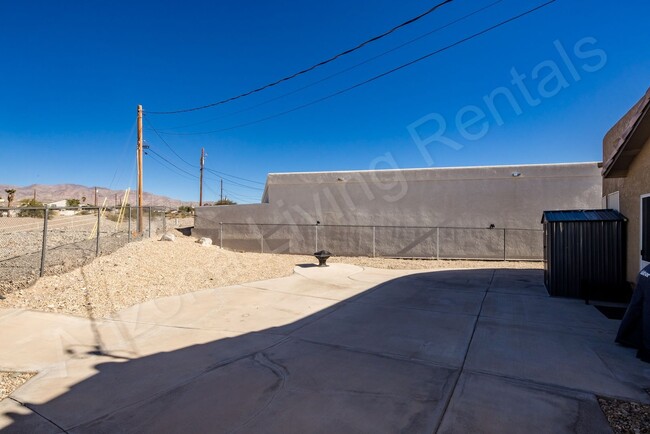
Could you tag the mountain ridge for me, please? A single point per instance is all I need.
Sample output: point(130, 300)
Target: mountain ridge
point(48, 193)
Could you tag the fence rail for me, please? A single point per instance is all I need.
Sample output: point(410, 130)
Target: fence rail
point(378, 240)
point(38, 241)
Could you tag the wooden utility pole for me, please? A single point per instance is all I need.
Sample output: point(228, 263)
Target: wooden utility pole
point(221, 198)
point(201, 177)
point(139, 158)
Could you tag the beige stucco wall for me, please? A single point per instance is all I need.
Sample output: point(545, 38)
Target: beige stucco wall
point(630, 188)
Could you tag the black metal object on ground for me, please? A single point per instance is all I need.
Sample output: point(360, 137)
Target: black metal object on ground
point(584, 254)
point(322, 256)
point(635, 328)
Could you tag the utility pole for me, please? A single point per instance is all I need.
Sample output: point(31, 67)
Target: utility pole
point(139, 160)
point(221, 190)
point(201, 178)
point(95, 196)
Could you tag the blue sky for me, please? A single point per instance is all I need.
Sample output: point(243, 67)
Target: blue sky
point(73, 74)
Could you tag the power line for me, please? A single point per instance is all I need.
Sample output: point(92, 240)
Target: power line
point(196, 167)
point(231, 182)
point(160, 162)
point(376, 77)
point(167, 144)
point(336, 74)
point(311, 68)
point(216, 172)
point(174, 165)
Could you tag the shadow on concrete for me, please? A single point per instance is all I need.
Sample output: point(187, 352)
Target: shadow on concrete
point(386, 360)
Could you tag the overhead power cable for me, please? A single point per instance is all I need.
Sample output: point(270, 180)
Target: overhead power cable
point(336, 74)
point(376, 77)
point(172, 164)
point(218, 173)
point(166, 166)
point(167, 144)
point(311, 68)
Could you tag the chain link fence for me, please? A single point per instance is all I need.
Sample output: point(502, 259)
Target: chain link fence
point(42, 241)
point(378, 241)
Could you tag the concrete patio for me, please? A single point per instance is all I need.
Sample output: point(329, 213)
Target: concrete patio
point(337, 349)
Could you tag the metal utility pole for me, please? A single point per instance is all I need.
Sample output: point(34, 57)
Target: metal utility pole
point(201, 178)
point(221, 191)
point(139, 160)
point(95, 196)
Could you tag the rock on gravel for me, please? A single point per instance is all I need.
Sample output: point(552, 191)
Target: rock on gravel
point(169, 236)
point(205, 241)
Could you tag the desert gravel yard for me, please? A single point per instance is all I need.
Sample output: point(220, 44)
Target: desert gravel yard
point(151, 269)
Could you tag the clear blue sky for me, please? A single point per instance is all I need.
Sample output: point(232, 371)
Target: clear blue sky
point(73, 73)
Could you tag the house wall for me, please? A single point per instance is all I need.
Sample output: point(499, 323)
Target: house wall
point(630, 188)
point(462, 202)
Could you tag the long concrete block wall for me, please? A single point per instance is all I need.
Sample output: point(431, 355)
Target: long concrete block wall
point(414, 212)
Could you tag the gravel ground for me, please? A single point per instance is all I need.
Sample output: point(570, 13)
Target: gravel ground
point(10, 381)
point(151, 269)
point(626, 417)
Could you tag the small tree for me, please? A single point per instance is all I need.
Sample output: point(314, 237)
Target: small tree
point(72, 202)
point(225, 201)
point(31, 203)
point(10, 196)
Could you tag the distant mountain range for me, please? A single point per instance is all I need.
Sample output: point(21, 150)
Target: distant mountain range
point(54, 193)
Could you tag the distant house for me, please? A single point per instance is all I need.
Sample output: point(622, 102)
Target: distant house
point(58, 204)
point(626, 180)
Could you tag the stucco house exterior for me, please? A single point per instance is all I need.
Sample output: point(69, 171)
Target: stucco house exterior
point(626, 180)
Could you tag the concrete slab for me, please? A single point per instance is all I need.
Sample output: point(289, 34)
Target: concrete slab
point(300, 285)
point(519, 283)
point(413, 334)
point(460, 280)
point(101, 385)
point(545, 310)
point(34, 340)
point(417, 293)
point(580, 361)
point(295, 354)
point(519, 407)
point(296, 387)
point(335, 274)
point(18, 419)
point(380, 275)
point(234, 308)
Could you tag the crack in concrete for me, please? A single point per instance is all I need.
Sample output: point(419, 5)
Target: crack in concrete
point(281, 374)
point(38, 414)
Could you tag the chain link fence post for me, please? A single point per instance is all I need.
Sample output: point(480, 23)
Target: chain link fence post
point(437, 244)
point(316, 238)
point(221, 235)
point(128, 227)
point(374, 255)
point(504, 244)
point(44, 246)
point(149, 222)
point(99, 218)
point(164, 221)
